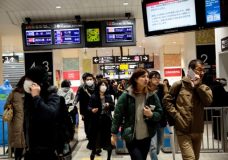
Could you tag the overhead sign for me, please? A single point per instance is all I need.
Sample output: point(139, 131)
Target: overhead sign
point(103, 60)
point(109, 67)
point(120, 59)
point(10, 59)
point(148, 65)
point(123, 66)
point(137, 58)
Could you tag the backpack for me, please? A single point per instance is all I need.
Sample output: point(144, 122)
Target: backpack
point(64, 127)
point(175, 95)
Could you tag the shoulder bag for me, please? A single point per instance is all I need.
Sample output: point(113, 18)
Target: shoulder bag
point(8, 112)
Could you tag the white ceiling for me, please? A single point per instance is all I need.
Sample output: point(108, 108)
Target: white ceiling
point(13, 13)
point(45, 10)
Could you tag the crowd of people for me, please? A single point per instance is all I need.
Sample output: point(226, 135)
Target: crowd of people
point(143, 106)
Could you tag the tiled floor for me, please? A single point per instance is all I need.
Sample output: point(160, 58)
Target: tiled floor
point(82, 153)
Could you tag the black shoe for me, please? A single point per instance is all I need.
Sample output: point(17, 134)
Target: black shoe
point(92, 157)
point(98, 152)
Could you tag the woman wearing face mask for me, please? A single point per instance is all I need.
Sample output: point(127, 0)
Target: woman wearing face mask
point(100, 105)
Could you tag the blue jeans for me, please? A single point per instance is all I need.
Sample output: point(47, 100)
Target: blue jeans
point(156, 143)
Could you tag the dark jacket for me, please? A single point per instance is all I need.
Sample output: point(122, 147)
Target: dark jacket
point(125, 109)
point(188, 109)
point(41, 114)
point(83, 96)
point(100, 131)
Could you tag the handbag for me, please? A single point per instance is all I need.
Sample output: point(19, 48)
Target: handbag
point(8, 112)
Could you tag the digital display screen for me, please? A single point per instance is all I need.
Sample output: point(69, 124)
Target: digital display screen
point(38, 37)
point(119, 33)
point(93, 35)
point(213, 12)
point(168, 14)
point(67, 36)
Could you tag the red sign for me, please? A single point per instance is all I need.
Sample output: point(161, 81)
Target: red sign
point(71, 75)
point(172, 72)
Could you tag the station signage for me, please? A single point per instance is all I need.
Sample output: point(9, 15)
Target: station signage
point(172, 72)
point(148, 65)
point(109, 67)
point(120, 59)
point(10, 59)
point(103, 60)
point(137, 58)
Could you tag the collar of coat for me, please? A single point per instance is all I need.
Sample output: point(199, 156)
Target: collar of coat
point(130, 92)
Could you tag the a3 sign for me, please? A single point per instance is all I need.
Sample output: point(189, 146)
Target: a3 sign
point(120, 59)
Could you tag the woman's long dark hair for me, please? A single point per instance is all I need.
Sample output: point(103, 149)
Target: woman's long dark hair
point(137, 73)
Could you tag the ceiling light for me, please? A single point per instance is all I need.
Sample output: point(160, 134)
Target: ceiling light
point(125, 3)
point(58, 7)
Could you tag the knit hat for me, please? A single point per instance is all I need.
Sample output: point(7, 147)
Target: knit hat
point(37, 74)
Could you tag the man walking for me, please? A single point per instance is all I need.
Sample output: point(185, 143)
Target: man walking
point(185, 102)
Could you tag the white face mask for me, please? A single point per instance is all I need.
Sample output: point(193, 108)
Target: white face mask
point(103, 88)
point(89, 83)
point(27, 85)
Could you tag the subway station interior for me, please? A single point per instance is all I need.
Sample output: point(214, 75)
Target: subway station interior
point(113, 38)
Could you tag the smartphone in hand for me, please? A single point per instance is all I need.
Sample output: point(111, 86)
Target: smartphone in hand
point(192, 75)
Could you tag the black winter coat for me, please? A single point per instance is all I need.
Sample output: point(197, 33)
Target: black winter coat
point(100, 130)
point(41, 114)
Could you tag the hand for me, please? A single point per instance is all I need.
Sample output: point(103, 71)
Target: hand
point(113, 139)
point(35, 90)
point(196, 81)
point(106, 106)
point(147, 112)
point(94, 110)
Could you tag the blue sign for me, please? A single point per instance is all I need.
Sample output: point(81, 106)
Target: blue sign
point(67, 36)
point(213, 11)
point(38, 37)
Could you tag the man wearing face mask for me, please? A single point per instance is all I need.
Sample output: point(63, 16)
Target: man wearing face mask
point(41, 108)
point(83, 96)
point(100, 106)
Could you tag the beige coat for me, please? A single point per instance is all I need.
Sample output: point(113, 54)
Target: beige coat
point(188, 112)
point(16, 133)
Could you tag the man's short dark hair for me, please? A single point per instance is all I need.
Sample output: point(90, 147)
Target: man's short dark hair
point(85, 75)
point(192, 63)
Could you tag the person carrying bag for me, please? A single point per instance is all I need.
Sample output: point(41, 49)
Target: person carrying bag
point(8, 109)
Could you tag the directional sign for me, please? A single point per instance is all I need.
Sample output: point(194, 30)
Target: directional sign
point(10, 59)
point(137, 58)
point(148, 65)
point(103, 60)
point(109, 67)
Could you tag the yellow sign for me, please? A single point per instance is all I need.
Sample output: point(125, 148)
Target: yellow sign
point(123, 66)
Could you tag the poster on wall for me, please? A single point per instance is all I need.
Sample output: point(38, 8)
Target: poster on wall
point(173, 74)
point(40, 59)
point(74, 77)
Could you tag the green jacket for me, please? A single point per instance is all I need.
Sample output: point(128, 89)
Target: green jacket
point(124, 115)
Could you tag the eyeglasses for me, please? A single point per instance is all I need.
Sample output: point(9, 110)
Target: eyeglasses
point(158, 78)
point(199, 71)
